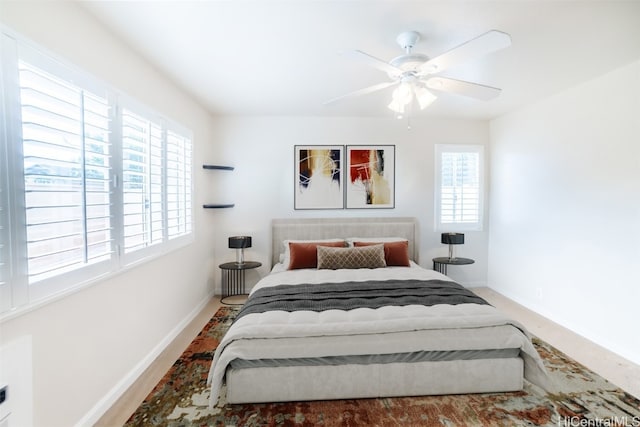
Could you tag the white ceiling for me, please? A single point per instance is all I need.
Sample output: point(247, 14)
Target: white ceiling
point(276, 57)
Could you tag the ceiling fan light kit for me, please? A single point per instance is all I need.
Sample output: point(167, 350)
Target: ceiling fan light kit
point(424, 97)
point(413, 73)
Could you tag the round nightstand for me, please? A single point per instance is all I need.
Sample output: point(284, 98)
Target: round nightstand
point(233, 278)
point(440, 264)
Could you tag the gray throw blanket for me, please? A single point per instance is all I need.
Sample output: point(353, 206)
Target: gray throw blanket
point(352, 295)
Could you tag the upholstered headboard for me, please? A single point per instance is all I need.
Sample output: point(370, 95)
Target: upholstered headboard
point(326, 228)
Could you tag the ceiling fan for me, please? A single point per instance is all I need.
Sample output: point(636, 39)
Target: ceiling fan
point(415, 74)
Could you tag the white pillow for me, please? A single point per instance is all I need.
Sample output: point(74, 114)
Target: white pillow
point(285, 258)
point(350, 240)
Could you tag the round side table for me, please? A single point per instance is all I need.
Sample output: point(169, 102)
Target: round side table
point(233, 279)
point(440, 264)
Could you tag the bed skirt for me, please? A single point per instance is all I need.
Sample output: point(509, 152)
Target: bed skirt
point(301, 383)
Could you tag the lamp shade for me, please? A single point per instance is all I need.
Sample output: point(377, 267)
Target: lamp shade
point(240, 242)
point(452, 238)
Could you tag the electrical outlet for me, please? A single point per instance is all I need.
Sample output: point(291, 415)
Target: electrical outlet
point(3, 393)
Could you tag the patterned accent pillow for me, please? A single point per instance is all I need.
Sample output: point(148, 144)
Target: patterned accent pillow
point(395, 253)
point(362, 257)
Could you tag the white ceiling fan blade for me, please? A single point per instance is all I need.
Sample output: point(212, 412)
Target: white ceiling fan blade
point(364, 91)
point(460, 87)
point(373, 61)
point(484, 44)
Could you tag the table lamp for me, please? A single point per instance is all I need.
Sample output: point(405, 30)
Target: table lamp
point(452, 239)
point(239, 243)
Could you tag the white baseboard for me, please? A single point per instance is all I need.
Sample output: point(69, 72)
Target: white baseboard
point(100, 408)
point(474, 284)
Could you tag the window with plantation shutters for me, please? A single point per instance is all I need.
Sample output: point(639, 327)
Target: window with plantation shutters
point(156, 182)
point(90, 181)
point(66, 156)
point(459, 187)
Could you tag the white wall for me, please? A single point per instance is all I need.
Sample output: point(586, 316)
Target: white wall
point(83, 347)
point(565, 209)
point(262, 150)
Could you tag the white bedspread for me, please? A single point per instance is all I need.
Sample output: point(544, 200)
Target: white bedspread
point(362, 331)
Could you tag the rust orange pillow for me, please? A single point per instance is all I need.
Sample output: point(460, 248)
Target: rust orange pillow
point(305, 255)
point(395, 253)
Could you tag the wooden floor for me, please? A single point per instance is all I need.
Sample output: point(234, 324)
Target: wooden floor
point(120, 412)
point(616, 369)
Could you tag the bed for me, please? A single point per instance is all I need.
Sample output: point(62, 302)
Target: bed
point(330, 331)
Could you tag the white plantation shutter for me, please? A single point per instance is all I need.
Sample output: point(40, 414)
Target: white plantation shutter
point(178, 185)
point(460, 188)
point(66, 162)
point(156, 194)
point(459, 191)
point(142, 159)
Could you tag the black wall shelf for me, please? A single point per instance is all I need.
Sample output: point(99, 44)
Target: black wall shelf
point(218, 205)
point(218, 167)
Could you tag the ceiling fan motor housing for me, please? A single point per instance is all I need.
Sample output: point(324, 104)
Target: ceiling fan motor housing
point(408, 40)
point(409, 61)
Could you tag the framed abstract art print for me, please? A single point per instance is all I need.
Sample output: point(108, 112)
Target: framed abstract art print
point(319, 180)
point(370, 181)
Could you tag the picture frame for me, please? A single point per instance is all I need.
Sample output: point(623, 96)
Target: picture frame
point(370, 177)
point(318, 177)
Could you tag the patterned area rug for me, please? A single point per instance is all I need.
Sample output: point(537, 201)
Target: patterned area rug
point(181, 399)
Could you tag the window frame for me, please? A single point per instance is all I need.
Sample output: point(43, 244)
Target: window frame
point(17, 294)
point(441, 149)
